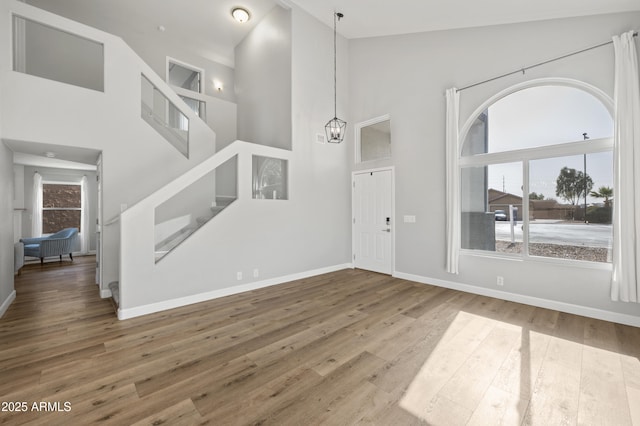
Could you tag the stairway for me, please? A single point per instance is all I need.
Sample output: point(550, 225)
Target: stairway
point(114, 287)
point(174, 240)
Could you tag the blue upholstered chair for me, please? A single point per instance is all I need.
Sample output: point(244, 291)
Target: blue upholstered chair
point(62, 242)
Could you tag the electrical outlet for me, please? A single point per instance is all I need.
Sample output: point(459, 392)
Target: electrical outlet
point(256, 273)
point(239, 276)
point(500, 280)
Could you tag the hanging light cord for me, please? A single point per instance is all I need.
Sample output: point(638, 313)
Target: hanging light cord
point(336, 18)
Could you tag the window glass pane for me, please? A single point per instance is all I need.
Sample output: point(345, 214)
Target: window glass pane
point(491, 207)
point(184, 77)
point(538, 116)
point(56, 220)
point(477, 137)
point(61, 207)
point(375, 141)
point(558, 227)
point(270, 178)
point(53, 54)
point(196, 106)
point(61, 196)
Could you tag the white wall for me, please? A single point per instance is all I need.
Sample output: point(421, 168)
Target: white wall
point(136, 159)
point(406, 77)
point(152, 46)
point(7, 292)
point(263, 81)
point(18, 186)
point(309, 232)
point(60, 175)
point(6, 229)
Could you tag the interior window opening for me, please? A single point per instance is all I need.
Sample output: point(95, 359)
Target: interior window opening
point(184, 76)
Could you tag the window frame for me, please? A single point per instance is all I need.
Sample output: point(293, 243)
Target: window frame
point(183, 64)
point(524, 156)
point(50, 182)
point(358, 139)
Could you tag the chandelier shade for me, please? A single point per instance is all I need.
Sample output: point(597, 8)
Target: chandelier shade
point(335, 129)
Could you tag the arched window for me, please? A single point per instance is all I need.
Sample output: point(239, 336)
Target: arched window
point(536, 175)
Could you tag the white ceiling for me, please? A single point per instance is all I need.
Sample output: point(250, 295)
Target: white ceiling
point(66, 157)
point(206, 26)
point(371, 18)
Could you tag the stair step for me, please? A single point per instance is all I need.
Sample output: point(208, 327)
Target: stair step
point(177, 238)
point(224, 201)
point(114, 287)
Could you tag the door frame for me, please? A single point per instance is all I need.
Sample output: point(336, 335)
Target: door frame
point(393, 213)
point(98, 225)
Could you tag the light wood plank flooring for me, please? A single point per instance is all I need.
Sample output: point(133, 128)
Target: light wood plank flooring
point(350, 347)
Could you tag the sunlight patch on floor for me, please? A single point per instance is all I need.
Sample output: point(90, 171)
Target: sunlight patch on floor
point(481, 369)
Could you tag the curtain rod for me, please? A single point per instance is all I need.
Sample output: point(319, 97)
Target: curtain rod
point(522, 70)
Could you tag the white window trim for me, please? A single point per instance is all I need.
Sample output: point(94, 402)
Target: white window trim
point(538, 153)
point(599, 94)
point(525, 155)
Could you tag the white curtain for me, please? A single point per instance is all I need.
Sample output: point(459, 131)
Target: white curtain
point(36, 204)
point(626, 171)
point(85, 226)
point(453, 181)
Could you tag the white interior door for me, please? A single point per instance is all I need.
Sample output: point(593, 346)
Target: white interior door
point(373, 221)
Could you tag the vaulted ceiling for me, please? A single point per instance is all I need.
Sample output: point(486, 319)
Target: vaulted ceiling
point(208, 28)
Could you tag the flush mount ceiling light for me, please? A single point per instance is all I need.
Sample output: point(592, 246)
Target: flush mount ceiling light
point(335, 128)
point(240, 14)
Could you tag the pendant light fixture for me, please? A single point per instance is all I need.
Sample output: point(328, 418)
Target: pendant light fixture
point(335, 128)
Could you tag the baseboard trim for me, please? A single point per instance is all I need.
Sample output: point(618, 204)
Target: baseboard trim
point(228, 291)
point(8, 301)
point(105, 294)
point(569, 308)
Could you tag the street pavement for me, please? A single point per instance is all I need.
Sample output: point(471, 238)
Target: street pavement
point(580, 234)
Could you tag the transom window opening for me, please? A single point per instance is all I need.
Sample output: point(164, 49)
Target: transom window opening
point(537, 176)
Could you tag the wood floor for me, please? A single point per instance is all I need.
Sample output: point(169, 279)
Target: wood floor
point(350, 347)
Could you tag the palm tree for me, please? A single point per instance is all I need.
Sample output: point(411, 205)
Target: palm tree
point(603, 192)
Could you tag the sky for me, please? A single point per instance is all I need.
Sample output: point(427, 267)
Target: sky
point(548, 115)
